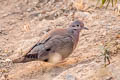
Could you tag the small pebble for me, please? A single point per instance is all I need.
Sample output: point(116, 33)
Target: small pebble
point(8, 60)
point(70, 77)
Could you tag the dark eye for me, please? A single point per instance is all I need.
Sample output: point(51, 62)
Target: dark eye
point(77, 25)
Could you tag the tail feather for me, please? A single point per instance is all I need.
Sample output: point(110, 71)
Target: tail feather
point(26, 58)
point(18, 60)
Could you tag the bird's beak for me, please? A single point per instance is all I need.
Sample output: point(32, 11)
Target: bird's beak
point(85, 28)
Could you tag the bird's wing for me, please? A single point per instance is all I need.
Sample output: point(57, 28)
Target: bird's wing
point(46, 38)
point(38, 43)
point(48, 44)
point(52, 44)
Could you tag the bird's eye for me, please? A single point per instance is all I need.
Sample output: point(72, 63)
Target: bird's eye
point(77, 25)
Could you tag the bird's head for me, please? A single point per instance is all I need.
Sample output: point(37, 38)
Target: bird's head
point(77, 25)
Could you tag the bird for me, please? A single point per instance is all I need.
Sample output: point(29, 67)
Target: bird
point(56, 45)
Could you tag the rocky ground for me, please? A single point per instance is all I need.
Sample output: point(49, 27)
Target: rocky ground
point(24, 22)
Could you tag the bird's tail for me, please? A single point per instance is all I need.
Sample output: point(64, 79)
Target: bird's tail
point(25, 58)
point(19, 60)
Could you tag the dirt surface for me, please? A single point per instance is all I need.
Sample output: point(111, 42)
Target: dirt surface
point(24, 22)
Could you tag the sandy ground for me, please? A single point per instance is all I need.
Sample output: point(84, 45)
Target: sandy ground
point(24, 22)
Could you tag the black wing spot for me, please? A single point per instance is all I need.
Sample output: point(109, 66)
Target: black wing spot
point(48, 49)
point(46, 60)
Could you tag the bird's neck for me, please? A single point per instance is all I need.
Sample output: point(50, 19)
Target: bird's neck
point(75, 35)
